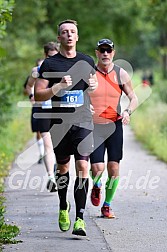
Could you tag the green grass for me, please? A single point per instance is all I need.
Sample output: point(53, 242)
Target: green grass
point(14, 135)
point(7, 232)
point(13, 138)
point(149, 121)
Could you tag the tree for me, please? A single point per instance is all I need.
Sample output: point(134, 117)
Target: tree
point(6, 8)
point(158, 10)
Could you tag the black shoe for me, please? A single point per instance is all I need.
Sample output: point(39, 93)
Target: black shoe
point(51, 185)
point(40, 161)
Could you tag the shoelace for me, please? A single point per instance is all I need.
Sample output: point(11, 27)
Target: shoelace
point(107, 208)
point(81, 222)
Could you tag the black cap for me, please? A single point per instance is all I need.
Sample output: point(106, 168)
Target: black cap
point(105, 42)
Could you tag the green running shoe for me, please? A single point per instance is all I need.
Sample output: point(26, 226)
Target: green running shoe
point(79, 227)
point(64, 220)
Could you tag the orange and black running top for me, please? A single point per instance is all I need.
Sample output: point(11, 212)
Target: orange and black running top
point(106, 98)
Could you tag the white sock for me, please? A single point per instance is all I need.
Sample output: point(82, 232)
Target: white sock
point(52, 177)
point(41, 147)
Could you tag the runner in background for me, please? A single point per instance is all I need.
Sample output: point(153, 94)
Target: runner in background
point(34, 122)
point(147, 78)
point(42, 125)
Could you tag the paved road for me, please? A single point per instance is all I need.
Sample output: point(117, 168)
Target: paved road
point(140, 206)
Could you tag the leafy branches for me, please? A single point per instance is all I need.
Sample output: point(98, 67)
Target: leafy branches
point(6, 9)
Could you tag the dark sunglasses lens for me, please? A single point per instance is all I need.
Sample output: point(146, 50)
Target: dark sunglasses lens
point(103, 50)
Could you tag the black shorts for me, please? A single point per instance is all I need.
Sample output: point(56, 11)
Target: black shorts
point(107, 137)
point(39, 124)
point(75, 141)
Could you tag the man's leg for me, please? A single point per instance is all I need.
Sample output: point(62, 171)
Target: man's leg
point(110, 188)
point(114, 150)
point(100, 134)
point(62, 178)
point(40, 146)
point(35, 128)
point(97, 168)
point(80, 196)
point(96, 174)
point(49, 159)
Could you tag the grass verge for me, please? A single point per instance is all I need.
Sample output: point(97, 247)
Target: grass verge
point(14, 136)
point(149, 121)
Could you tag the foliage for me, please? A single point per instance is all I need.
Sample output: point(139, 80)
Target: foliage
point(4, 168)
point(160, 87)
point(96, 20)
point(12, 135)
point(150, 123)
point(158, 8)
point(6, 8)
point(7, 232)
point(153, 135)
point(135, 34)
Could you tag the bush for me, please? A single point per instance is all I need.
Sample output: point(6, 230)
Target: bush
point(150, 124)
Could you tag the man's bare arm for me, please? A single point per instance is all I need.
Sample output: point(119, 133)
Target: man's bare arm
point(31, 82)
point(43, 93)
point(128, 90)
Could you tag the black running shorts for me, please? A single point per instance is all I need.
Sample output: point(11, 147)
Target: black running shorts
point(39, 124)
point(107, 137)
point(76, 141)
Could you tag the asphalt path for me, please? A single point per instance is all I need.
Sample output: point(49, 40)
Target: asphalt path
point(140, 205)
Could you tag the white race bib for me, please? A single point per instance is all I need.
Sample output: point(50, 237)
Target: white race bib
point(47, 104)
point(74, 98)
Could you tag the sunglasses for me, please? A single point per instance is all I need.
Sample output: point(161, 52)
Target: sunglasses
point(103, 50)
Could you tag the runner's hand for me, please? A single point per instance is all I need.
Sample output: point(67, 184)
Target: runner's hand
point(92, 109)
point(125, 118)
point(92, 82)
point(66, 81)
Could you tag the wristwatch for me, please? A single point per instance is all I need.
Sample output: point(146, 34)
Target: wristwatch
point(129, 111)
point(30, 96)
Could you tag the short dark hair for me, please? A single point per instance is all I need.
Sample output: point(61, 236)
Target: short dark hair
point(67, 21)
point(51, 46)
point(38, 61)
